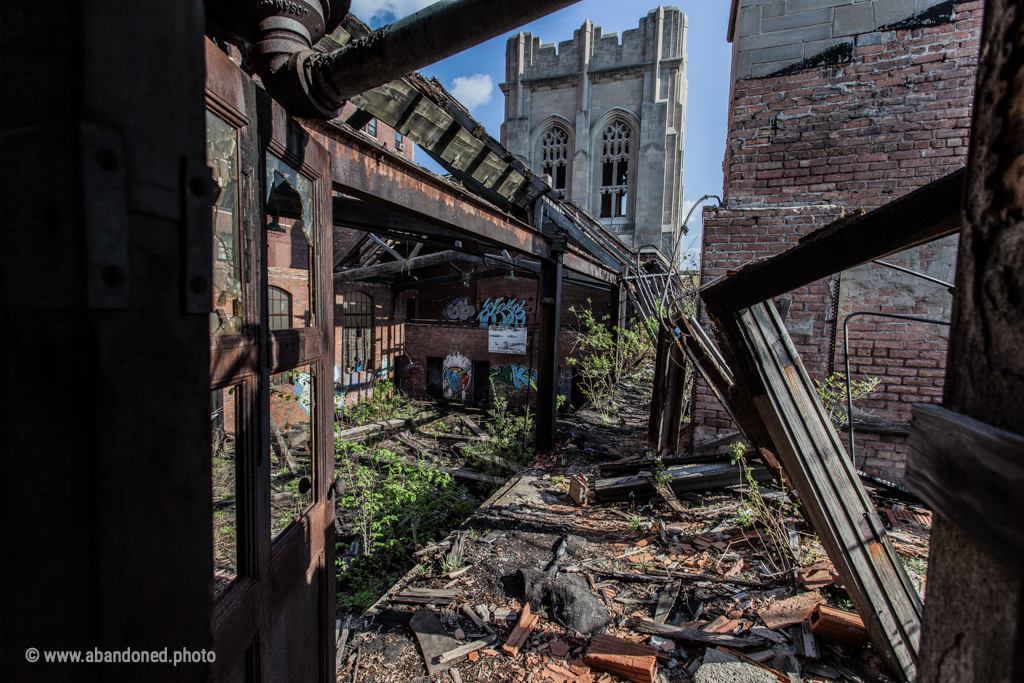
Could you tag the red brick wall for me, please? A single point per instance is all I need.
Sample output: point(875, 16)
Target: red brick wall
point(806, 148)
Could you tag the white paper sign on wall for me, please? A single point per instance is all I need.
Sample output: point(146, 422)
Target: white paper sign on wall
point(511, 340)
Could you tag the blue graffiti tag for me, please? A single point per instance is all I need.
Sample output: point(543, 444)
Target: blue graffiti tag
point(515, 376)
point(511, 313)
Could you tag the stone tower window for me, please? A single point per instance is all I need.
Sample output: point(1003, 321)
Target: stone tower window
point(554, 158)
point(615, 170)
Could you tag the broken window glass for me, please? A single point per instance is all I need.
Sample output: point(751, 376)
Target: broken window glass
point(224, 406)
point(222, 156)
point(290, 242)
point(292, 445)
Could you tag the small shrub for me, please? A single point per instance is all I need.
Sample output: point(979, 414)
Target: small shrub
point(832, 392)
point(608, 354)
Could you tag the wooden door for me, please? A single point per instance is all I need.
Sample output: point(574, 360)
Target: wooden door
point(272, 387)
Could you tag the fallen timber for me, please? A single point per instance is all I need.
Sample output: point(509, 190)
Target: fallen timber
point(684, 480)
point(690, 635)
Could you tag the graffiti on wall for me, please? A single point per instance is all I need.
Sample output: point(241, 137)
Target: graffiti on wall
point(302, 390)
point(565, 384)
point(460, 310)
point(515, 376)
point(511, 313)
point(458, 372)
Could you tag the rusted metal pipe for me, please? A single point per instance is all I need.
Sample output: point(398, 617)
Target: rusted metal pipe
point(313, 85)
point(430, 35)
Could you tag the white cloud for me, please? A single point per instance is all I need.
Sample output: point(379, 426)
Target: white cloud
point(386, 11)
point(472, 91)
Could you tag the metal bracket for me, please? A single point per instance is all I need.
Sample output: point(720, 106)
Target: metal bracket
point(105, 210)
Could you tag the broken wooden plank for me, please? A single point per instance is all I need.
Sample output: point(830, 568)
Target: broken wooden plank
point(684, 479)
point(782, 613)
point(464, 650)
point(980, 494)
point(426, 596)
point(632, 661)
point(669, 497)
point(342, 641)
point(837, 624)
point(468, 421)
point(579, 489)
point(433, 639)
point(521, 632)
point(477, 621)
point(666, 599)
point(690, 635)
point(831, 494)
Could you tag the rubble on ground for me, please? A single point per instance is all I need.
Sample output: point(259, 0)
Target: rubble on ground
point(546, 589)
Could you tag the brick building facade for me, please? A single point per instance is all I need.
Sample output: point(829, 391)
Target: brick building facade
point(838, 107)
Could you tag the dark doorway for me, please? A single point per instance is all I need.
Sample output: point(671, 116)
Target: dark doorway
point(435, 377)
point(481, 381)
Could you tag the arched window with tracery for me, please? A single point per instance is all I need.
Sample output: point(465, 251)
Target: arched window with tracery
point(554, 158)
point(615, 152)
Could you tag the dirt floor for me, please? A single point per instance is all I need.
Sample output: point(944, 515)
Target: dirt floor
point(720, 575)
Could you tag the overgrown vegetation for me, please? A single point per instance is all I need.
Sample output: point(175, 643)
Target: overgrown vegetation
point(385, 404)
point(389, 506)
point(511, 435)
point(832, 392)
point(608, 354)
point(756, 511)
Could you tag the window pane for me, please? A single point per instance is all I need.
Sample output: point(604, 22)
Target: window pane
point(222, 156)
point(290, 239)
point(560, 178)
point(621, 172)
point(280, 309)
point(224, 417)
point(291, 444)
point(371, 127)
point(620, 204)
point(398, 136)
point(607, 173)
point(606, 206)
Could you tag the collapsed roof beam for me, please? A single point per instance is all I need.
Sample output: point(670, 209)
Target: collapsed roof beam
point(450, 279)
point(924, 215)
point(396, 266)
point(362, 170)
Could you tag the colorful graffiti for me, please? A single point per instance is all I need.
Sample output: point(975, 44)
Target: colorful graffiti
point(515, 376)
point(459, 310)
point(565, 384)
point(302, 390)
point(458, 372)
point(511, 313)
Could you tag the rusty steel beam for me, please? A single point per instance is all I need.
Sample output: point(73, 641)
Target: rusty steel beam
point(580, 265)
point(549, 311)
point(363, 170)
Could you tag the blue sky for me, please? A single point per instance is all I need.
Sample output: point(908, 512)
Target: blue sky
point(473, 76)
